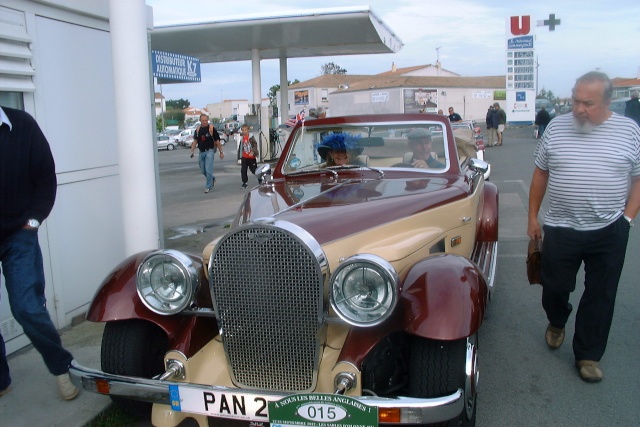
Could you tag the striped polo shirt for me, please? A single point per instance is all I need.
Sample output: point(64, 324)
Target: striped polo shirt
point(588, 172)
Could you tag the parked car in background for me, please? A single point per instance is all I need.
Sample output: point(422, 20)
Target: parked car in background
point(618, 105)
point(185, 138)
point(548, 105)
point(220, 128)
point(564, 109)
point(340, 293)
point(166, 142)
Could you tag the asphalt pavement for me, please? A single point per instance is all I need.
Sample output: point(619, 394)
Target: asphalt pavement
point(522, 383)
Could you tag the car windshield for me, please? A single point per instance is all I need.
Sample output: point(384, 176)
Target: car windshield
point(547, 104)
point(374, 145)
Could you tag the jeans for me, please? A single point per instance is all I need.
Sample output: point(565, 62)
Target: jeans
point(205, 161)
point(21, 260)
point(541, 129)
point(602, 252)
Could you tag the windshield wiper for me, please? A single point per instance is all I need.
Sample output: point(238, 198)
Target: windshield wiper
point(343, 167)
point(308, 171)
point(334, 170)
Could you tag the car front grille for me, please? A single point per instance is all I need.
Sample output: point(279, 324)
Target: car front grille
point(266, 283)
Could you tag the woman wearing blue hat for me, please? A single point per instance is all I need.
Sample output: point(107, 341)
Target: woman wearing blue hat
point(338, 149)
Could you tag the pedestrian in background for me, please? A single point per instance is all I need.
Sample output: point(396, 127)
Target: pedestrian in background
point(542, 120)
point(317, 113)
point(28, 188)
point(248, 154)
point(502, 122)
point(632, 107)
point(492, 126)
point(591, 211)
point(453, 116)
point(207, 139)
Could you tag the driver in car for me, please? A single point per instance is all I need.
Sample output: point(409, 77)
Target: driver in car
point(420, 145)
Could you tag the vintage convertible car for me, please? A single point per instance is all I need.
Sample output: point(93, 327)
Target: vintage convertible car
point(343, 294)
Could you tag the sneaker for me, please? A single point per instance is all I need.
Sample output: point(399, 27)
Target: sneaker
point(67, 390)
point(5, 391)
point(206, 190)
point(213, 183)
point(589, 371)
point(244, 185)
point(554, 336)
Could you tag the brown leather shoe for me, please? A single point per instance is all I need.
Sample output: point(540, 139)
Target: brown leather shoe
point(554, 336)
point(589, 371)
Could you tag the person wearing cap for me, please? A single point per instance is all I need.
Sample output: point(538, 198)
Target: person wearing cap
point(420, 145)
point(338, 149)
point(632, 109)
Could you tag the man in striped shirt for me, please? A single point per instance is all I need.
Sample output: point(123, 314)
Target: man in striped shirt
point(589, 164)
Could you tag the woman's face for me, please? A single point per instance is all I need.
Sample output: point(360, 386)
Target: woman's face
point(340, 157)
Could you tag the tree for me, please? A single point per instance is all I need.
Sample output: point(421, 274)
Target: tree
point(332, 68)
point(546, 94)
point(159, 124)
point(177, 104)
point(273, 91)
point(174, 117)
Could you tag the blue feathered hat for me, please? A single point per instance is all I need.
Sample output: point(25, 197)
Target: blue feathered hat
point(339, 141)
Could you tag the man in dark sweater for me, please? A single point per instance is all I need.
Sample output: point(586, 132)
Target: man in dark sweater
point(27, 194)
point(542, 120)
point(632, 107)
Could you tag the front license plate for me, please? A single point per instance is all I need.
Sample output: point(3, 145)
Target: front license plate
point(220, 404)
point(321, 410)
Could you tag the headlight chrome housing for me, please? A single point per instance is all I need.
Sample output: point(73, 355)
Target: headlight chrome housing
point(364, 290)
point(167, 281)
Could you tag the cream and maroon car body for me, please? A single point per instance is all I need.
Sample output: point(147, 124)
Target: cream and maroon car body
point(369, 280)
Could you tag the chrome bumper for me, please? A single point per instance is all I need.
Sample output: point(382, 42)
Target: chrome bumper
point(413, 410)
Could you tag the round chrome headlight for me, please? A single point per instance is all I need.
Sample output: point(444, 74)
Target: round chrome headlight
point(364, 290)
point(167, 281)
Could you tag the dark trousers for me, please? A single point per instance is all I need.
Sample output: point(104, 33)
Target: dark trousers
point(22, 267)
point(602, 251)
point(252, 164)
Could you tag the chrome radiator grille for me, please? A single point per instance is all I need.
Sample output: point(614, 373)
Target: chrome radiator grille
point(267, 288)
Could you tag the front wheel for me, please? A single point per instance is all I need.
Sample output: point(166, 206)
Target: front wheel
point(439, 368)
point(170, 147)
point(134, 348)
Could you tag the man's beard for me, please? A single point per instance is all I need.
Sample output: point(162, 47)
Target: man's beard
point(583, 127)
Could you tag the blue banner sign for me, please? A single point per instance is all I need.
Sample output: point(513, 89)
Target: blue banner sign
point(525, 42)
point(174, 67)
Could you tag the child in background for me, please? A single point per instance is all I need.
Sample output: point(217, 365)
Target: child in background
point(249, 154)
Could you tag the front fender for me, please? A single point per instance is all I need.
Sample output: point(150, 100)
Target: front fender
point(117, 299)
point(488, 216)
point(444, 298)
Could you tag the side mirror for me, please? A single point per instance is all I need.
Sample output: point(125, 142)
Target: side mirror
point(477, 165)
point(263, 171)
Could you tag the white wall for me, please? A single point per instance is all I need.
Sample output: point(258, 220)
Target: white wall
point(465, 101)
point(73, 102)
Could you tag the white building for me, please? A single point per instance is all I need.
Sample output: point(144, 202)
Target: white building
point(401, 90)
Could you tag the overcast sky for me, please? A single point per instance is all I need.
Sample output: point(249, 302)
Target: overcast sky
point(594, 34)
